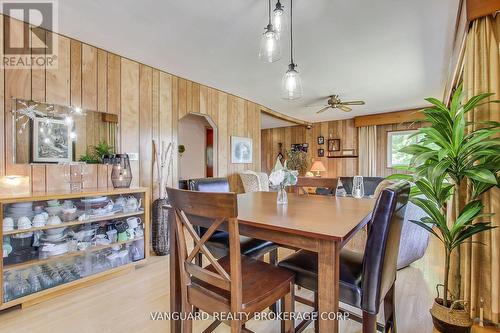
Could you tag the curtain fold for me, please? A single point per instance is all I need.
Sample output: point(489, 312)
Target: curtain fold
point(480, 263)
point(367, 160)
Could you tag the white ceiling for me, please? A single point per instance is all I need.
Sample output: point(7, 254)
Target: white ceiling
point(390, 53)
point(268, 121)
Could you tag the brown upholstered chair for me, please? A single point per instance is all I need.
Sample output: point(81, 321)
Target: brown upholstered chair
point(232, 284)
point(366, 279)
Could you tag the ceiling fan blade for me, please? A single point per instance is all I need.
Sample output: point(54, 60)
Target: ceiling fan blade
point(353, 103)
point(344, 108)
point(323, 109)
point(317, 106)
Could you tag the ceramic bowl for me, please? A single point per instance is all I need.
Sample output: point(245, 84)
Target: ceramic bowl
point(28, 204)
point(53, 203)
point(69, 210)
point(55, 231)
point(19, 243)
point(54, 238)
point(53, 210)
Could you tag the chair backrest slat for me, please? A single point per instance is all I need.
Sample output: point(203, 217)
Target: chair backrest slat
point(219, 209)
point(208, 276)
point(382, 245)
point(206, 204)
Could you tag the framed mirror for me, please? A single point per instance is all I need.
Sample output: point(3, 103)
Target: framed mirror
point(51, 133)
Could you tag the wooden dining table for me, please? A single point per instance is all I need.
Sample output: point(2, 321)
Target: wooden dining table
point(319, 224)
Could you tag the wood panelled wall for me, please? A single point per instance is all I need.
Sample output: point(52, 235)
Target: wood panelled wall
point(149, 103)
point(340, 129)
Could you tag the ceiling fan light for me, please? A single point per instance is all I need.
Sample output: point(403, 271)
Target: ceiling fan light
point(270, 48)
point(291, 84)
point(279, 18)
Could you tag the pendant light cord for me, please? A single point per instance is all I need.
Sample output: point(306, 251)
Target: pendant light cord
point(269, 11)
point(291, 32)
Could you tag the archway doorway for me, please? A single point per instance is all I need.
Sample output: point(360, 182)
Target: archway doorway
point(197, 134)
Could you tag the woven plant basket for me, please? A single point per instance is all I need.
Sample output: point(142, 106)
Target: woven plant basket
point(452, 319)
point(160, 228)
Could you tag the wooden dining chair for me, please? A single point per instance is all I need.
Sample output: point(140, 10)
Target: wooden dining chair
point(329, 183)
point(367, 279)
point(233, 284)
point(218, 243)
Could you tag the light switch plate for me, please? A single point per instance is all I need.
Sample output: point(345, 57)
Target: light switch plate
point(133, 156)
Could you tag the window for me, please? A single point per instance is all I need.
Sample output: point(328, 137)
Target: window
point(395, 142)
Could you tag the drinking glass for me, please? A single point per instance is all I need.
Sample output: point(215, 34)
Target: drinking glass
point(358, 188)
point(282, 198)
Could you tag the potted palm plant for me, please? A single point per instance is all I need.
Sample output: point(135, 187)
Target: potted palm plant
point(449, 154)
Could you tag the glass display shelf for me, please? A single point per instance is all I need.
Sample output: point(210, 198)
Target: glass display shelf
point(75, 222)
point(25, 280)
point(54, 242)
point(91, 249)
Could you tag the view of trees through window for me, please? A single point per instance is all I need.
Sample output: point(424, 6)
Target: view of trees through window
point(395, 142)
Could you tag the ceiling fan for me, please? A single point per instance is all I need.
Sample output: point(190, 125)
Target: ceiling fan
point(335, 102)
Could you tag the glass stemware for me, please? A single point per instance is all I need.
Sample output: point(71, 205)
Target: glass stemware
point(358, 188)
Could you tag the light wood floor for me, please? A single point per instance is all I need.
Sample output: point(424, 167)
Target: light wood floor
point(124, 304)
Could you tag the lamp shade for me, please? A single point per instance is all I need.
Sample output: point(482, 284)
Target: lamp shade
point(318, 166)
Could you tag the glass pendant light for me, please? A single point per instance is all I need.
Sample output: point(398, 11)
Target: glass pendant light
point(291, 85)
point(279, 18)
point(270, 47)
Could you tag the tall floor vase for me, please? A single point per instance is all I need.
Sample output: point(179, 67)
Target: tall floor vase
point(160, 228)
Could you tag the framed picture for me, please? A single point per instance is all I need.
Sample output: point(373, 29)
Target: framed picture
point(321, 140)
point(348, 152)
point(333, 144)
point(321, 152)
point(300, 147)
point(241, 150)
point(52, 142)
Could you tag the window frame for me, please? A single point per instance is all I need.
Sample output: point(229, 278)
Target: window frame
point(389, 145)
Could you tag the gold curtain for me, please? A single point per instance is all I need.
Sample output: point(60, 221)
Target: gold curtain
point(367, 160)
point(480, 263)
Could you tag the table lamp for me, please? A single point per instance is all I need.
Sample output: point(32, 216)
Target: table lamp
point(318, 167)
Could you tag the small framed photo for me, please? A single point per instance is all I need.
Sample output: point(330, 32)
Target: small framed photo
point(241, 150)
point(300, 147)
point(321, 140)
point(334, 145)
point(52, 142)
point(321, 152)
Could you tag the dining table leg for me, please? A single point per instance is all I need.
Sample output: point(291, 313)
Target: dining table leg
point(328, 285)
point(175, 288)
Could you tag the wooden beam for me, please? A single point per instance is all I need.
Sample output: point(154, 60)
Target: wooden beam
point(397, 117)
point(285, 117)
point(480, 8)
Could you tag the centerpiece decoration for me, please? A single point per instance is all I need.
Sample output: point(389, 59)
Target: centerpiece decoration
point(163, 159)
point(281, 177)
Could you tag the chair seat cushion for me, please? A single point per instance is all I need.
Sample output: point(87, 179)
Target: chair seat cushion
point(218, 244)
point(305, 266)
point(259, 280)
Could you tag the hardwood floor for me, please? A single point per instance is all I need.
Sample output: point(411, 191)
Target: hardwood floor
point(125, 304)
